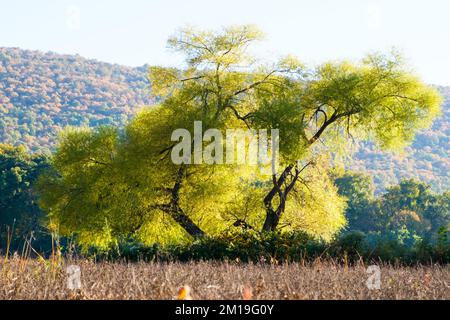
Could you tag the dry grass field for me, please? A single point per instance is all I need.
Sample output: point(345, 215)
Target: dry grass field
point(33, 279)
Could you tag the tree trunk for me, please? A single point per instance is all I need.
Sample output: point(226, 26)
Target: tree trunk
point(186, 223)
point(176, 212)
point(281, 188)
point(271, 222)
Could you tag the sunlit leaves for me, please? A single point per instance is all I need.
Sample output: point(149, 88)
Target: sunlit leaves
point(118, 183)
point(207, 48)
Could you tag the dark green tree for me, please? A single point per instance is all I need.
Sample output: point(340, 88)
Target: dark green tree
point(19, 212)
point(363, 210)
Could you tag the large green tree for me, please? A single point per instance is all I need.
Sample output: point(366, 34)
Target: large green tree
point(129, 179)
point(377, 98)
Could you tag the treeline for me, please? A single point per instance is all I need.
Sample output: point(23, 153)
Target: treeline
point(407, 213)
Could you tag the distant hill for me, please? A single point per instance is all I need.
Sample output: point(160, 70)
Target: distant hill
point(42, 92)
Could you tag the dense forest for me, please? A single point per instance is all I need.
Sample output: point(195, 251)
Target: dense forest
point(40, 93)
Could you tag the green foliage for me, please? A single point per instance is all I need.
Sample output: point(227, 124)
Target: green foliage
point(18, 208)
point(277, 247)
point(350, 245)
point(99, 191)
point(406, 213)
point(232, 245)
point(362, 211)
point(387, 102)
point(127, 183)
point(315, 206)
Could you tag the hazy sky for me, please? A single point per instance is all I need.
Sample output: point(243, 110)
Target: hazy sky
point(134, 32)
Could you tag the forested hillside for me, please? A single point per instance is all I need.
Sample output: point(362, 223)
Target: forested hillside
point(40, 93)
point(43, 92)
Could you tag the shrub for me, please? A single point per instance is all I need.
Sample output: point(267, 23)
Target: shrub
point(278, 247)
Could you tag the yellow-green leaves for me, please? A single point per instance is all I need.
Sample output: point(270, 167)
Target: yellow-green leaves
point(208, 48)
point(110, 184)
point(163, 80)
point(292, 64)
point(315, 205)
point(377, 97)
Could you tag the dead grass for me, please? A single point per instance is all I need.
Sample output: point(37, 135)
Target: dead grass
point(33, 279)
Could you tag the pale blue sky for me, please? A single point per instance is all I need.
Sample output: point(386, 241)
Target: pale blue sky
point(134, 32)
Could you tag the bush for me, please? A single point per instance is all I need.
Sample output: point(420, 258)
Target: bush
point(251, 246)
point(352, 245)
